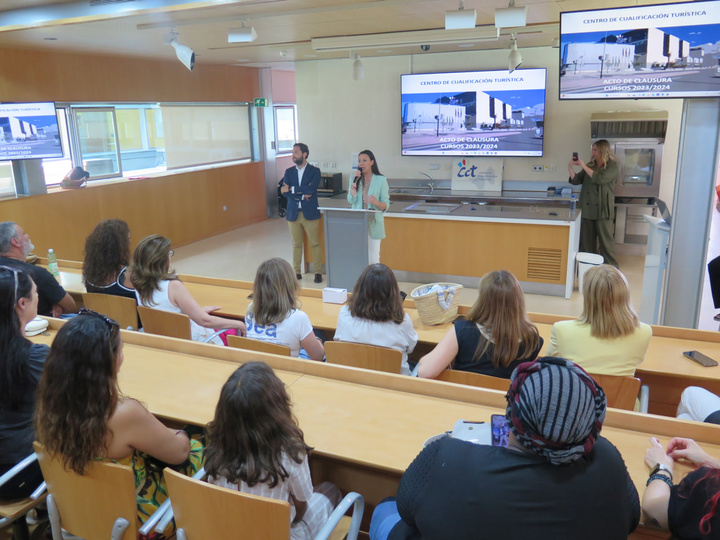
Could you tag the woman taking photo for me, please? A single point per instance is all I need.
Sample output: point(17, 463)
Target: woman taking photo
point(21, 365)
point(274, 317)
point(597, 200)
point(84, 417)
point(374, 314)
point(157, 286)
point(495, 336)
point(369, 190)
point(608, 338)
point(107, 254)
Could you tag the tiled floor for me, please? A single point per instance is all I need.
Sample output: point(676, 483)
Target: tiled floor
point(237, 254)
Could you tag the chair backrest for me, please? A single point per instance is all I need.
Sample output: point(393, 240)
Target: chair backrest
point(240, 342)
point(474, 379)
point(621, 392)
point(90, 503)
point(363, 356)
point(203, 510)
point(120, 308)
point(165, 323)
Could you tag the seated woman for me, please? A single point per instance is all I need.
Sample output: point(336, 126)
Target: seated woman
point(495, 336)
point(255, 446)
point(107, 254)
point(699, 405)
point(557, 478)
point(85, 417)
point(273, 315)
point(374, 314)
point(158, 287)
point(21, 365)
point(608, 338)
point(689, 510)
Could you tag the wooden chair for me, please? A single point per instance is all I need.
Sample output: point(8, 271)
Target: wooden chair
point(621, 392)
point(14, 511)
point(120, 308)
point(97, 505)
point(202, 510)
point(256, 345)
point(474, 379)
point(165, 323)
point(363, 356)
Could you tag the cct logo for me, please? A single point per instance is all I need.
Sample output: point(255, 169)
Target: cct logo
point(464, 172)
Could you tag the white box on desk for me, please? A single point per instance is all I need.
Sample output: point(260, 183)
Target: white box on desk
point(332, 295)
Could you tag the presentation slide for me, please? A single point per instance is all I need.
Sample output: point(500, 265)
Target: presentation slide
point(475, 113)
point(660, 51)
point(29, 131)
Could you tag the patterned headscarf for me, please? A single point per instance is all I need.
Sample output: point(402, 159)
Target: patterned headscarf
point(555, 409)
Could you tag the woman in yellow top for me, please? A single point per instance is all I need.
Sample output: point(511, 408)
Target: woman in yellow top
point(369, 190)
point(608, 338)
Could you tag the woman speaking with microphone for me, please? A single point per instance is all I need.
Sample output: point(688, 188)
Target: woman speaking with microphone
point(369, 190)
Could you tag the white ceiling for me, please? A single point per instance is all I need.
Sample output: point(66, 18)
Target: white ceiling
point(284, 27)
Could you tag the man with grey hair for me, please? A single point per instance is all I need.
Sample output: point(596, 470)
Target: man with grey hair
point(15, 245)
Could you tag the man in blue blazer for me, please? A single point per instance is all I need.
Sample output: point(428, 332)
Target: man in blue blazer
point(300, 186)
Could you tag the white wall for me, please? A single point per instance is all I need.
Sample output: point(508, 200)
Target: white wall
point(339, 116)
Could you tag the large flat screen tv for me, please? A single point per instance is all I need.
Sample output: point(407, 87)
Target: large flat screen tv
point(473, 113)
point(29, 131)
point(660, 51)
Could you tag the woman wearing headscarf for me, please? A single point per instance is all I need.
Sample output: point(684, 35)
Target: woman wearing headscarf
point(556, 479)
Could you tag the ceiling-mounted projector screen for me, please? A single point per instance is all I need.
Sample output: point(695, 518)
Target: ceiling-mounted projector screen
point(659, 51)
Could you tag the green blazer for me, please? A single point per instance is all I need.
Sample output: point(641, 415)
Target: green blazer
point(597, 196)
point(379, 188)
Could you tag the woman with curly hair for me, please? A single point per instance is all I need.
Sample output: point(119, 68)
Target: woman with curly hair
point(107, 254)
point(85, 417)
point(256, 446)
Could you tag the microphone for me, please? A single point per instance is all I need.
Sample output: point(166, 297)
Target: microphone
point(357, 180)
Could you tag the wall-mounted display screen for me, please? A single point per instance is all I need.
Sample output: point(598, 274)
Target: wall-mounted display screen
point(474, 113)
point(29, 131)
point(660, 51)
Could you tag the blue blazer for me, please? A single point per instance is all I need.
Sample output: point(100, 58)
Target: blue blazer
point(311, 181)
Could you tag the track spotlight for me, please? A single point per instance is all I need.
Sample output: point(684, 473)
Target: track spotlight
point(184, 53)
point(242, 35)
point(460, 19)
point(358, 69)
point(514, 60)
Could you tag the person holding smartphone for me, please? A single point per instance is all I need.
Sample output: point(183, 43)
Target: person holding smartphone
point(369, 190)
point(597, 200)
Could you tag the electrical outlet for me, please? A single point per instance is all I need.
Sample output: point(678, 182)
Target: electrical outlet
point(332, 164)
point(323, 165)
point(551, 168)
point(433, 166)
point(537, 168)
point(313, 163)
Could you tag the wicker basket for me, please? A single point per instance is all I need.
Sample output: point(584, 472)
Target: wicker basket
point(429, 309)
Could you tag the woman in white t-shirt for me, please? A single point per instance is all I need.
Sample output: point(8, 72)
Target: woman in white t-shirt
point(274, 316)
point(374, 314)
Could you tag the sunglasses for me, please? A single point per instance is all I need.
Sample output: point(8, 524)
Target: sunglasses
point(112, 324)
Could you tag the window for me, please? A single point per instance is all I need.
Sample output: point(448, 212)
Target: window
point(7, 184)
point(55, 169)
point(285, 130)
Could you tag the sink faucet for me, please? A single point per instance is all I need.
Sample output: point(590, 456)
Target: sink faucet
point(431, 185)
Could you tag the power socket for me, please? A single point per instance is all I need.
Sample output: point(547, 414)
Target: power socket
point(538, 168)
point(324, 165)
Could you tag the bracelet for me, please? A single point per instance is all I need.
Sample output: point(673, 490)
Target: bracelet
point(662, 477)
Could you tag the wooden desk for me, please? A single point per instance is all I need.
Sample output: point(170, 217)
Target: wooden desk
point(366, 427)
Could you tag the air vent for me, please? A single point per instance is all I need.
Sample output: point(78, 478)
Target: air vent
point(629, 125)
point(94, 3)
point(544, 264)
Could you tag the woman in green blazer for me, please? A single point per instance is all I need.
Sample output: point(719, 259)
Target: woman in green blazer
point(369, 190)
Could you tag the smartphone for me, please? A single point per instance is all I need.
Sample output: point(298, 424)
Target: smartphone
point(700, 358)
point(500, 430)
point(575, 156)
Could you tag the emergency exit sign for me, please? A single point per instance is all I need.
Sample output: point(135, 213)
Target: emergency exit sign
point(261, 102)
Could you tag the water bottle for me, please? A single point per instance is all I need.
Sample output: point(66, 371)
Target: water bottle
point(53, 264)
point(573, 204)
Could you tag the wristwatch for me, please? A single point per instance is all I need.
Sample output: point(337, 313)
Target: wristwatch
point(662, 468)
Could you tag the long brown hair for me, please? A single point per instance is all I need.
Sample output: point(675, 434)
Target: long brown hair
point(253, 428)
point(107, 251)
point(606, 155)
point(376, 296)
point(150, 265)
point(606, 303)
point(274, 291)
point(500, 309)
point(78, 391)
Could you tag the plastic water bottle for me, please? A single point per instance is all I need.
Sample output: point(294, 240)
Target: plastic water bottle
point(573, 204)
point(53, 264)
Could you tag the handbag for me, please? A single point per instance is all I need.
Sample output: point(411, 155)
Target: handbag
point(77, 178)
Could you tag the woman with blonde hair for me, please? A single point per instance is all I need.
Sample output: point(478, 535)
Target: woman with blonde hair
point(496, 336)
point(608, 338)
point(274, 315)
point(157, 286)
point(597, 200)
